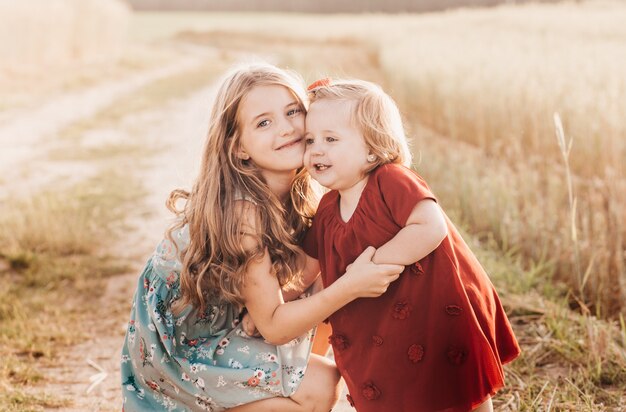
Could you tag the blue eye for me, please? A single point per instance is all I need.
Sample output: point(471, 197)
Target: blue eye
point(263, 123)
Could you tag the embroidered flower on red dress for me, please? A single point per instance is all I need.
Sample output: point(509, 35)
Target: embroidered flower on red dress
point(370, 391)
point(350, 400)
point(416, 353)
point(456, 355)
point(326, 81)
point(378, 341)
point(417, 269)
point(339, 342)
point(401, 310)
point(454, 310)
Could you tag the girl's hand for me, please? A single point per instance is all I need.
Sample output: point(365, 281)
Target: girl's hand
point(247, 325)
point(366, 279)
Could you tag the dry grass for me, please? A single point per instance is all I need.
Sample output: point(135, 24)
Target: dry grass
point(47, 46)
point(52, 267)
point(46, 33)
point(494, 79)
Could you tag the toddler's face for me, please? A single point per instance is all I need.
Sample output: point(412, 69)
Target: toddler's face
point(335, 150)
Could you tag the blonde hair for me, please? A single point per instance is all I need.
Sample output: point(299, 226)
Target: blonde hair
point(376, 115)
point(215, 262)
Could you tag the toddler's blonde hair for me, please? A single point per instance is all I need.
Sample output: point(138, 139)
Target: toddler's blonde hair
point(375, 113)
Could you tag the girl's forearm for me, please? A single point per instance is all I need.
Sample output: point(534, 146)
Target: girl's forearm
point(292, 319)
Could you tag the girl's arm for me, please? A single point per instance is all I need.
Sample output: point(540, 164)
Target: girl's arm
point(310, 275)
point(280, 322)
point(424, 230)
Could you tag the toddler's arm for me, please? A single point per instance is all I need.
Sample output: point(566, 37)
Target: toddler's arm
point(424, 230)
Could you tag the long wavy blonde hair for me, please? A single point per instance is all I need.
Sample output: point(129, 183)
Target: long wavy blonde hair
point(215, 262)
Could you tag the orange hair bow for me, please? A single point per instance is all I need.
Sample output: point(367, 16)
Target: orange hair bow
point(326, 81)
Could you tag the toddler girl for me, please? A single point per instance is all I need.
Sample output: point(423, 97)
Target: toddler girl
point(437, 339)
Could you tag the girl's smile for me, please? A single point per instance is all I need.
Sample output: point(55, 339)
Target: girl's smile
point(295, 143)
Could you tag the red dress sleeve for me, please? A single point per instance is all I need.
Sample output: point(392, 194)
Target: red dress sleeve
point(401, 189)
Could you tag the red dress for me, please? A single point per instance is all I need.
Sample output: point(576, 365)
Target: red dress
point(437, 339)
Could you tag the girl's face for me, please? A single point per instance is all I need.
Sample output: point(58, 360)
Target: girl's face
point(336, 153)
point(271, 120)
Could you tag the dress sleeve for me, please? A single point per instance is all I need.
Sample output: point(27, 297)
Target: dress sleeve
point(401, 189)
point(310, 242)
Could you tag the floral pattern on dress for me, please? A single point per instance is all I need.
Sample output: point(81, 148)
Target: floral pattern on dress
point(191, 361)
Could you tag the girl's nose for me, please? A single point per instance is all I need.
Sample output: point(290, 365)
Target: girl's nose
point(286, 128)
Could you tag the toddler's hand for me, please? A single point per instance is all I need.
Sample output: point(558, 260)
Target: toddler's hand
point(367, 279)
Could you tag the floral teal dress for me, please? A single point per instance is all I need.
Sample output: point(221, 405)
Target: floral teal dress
point(198, 362)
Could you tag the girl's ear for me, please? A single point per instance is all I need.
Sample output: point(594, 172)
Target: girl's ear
point(241, 154)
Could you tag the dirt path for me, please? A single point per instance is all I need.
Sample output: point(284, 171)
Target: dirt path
point(27, 135)
point(178, 129)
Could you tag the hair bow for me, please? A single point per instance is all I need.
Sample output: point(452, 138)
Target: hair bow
point(326, 81)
